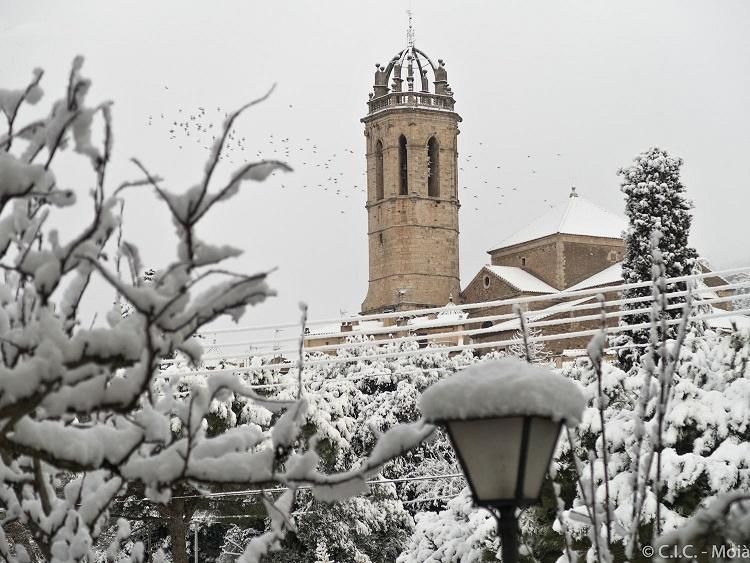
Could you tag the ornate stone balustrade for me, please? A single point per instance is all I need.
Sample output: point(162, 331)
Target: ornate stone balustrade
point(411, 99)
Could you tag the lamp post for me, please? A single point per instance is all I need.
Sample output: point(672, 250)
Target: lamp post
point(503, 418)
point(505, 460)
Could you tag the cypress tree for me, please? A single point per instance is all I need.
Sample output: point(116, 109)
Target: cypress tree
point(654, 201)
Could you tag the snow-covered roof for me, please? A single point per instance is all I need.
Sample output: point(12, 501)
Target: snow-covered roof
point(452, 312)
point(367, 325)
point(443, 319)
point(726, 323)
point(503, 387)
point(423, 320)
point(578, 216)
point(521, 279)
point(323, 329)
point(613, 274)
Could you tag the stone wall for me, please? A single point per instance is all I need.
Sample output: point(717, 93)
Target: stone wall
point(412, 238)
point(417, 125)
point(541, 258)
point(561, 260)
point(585, 256)
point(479, 290)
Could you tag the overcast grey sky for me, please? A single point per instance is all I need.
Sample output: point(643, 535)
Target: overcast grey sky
point(596, 82)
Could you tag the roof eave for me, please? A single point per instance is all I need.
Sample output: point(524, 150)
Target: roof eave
point(542, 238)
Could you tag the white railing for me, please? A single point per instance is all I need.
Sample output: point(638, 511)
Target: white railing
point(582, 313)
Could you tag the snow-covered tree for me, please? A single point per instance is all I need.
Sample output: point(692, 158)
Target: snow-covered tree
point(744, 301)
point(654, 202)
point(321, 553)
point(459, 533)
point(662, 460)
point(705, 446)
point(152, 521)
point(359, 395)
point(537, 351)
point(83, 411)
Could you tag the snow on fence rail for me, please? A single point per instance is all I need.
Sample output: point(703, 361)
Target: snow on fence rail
point(410, 336)
point(564, 307)
point(475, 346)
point(408, 370)
point(406, 333)
point(444, 323)
point(484, 304)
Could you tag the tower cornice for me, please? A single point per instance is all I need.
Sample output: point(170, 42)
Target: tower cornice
point(410, 197)
point(388, 108)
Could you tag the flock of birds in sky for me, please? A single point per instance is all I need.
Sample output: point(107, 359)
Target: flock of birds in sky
point(330, 170)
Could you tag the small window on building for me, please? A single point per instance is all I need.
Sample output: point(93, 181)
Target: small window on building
point(486, 282)
point(378, 170)
point(486, 324)
point(523, 261)
point(403, 166)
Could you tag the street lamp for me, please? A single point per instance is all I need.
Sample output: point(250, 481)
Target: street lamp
point(503, 418)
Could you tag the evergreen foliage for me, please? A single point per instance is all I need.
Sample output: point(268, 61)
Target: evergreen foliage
point(654, 202)
point(351, 404)
point(705, 457)
point(537, 351)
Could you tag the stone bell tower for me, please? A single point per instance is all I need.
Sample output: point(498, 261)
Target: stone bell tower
point(412, 179)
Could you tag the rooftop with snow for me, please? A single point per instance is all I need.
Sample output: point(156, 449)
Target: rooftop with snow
point(577, 216)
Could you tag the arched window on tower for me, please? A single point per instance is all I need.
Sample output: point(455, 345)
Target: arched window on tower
point(433, 168)
point(378, 170)
point(403, 167)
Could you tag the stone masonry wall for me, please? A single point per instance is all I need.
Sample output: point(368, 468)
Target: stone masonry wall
point(542, 259)
point(413, 238)
point(583, 258)
point(562, 260)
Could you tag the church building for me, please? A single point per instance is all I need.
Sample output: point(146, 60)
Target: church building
point(411, 132)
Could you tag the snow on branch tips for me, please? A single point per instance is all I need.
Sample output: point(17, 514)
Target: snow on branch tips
point(86, 412)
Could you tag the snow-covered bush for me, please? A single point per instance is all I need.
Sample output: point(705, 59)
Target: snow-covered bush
point(742, 302)
point(704, 457)
point(705, 439)
point(83, 412)
point(459, 533)
point(537, 351)
point(353, 400)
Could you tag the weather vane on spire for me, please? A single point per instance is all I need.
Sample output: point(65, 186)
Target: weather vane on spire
point(410, 31)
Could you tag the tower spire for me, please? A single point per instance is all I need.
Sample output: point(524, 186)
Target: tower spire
point(410, 31)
